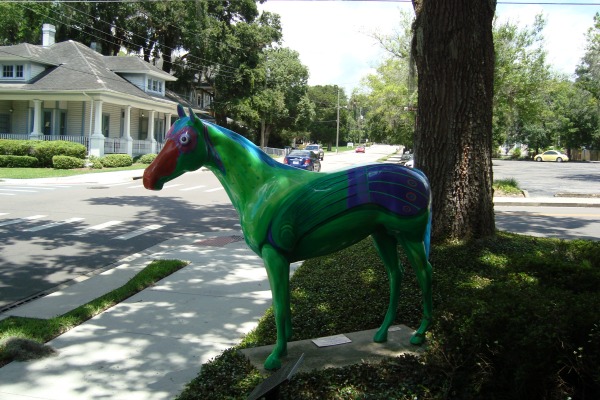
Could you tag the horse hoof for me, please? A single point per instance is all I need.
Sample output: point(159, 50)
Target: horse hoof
point(380, 337)
point(272, 363)
point(417, 339)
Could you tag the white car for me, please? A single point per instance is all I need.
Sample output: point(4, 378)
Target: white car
point(316, 148)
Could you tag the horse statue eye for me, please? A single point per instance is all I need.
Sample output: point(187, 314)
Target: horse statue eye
point(184, 139)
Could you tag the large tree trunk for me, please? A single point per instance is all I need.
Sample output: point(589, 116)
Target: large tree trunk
point(454, 52)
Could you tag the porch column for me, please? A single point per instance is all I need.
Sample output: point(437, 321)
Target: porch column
point(167, 125)
point(37, 117)
point(97, 139)
point(127, 131)
point(151, 131)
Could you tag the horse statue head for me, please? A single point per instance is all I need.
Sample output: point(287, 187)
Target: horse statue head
point(184, 150)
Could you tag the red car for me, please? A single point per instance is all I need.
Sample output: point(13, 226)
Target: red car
point(360, 149)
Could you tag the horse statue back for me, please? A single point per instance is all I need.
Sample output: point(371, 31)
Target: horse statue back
point(288, 214)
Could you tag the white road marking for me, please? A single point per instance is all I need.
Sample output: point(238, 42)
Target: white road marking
point(95, 228)
point(6, 194)
point(172, 186)
point(193, 188)
point(19, 220)
point(213, 190)
point(18, 190)
point(135, 187)
point(53, 224)
point(138, 232)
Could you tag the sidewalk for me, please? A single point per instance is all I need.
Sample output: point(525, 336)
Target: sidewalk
point(152, 344)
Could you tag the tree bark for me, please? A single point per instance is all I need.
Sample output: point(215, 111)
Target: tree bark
point(454, 53)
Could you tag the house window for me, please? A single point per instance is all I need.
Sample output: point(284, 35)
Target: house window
point(12, 71)
point(62, 123)
point(7, 71)
point(105, 124)
point(5, 123)
point(47, 122)
point(155, 86)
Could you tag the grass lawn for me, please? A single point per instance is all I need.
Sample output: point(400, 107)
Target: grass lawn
point(515, 317)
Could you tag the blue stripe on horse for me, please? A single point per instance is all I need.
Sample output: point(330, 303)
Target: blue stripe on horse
point(395, 188)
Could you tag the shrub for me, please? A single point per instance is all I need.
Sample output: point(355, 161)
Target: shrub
point(18, 162)
point(147, 158)
point(94, 162)
point(516, 154)
point(117, 160)
point(67, 162)
point(15, 147)
point(44, 151)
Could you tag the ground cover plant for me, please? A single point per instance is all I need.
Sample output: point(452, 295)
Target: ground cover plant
point(23, 338)
point(515, 317)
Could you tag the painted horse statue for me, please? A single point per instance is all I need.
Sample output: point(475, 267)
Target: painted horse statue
point(288, 214)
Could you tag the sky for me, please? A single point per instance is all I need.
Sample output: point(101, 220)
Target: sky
point(334, 38)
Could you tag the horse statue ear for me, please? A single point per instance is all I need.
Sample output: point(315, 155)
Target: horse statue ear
point(180, 111)
point(192, 115)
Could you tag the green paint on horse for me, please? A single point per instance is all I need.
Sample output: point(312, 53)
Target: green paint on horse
point(288, 214)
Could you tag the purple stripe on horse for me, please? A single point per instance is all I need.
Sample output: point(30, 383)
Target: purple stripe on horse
point(397, 189)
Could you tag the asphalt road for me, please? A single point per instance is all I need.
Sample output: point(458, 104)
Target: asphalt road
point(546, 179)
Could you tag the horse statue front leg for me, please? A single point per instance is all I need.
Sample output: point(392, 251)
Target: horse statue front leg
point(278, 271)
point(387, 247)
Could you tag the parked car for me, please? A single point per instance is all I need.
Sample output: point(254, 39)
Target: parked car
point(551, 155)
point(405, 158)
point(410, 163)
point(317, 149)
point(360, 149)
point(303, 159)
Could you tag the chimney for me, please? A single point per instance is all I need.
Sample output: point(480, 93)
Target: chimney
point(48, 32)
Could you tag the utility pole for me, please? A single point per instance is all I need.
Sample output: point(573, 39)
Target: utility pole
point(337, 132)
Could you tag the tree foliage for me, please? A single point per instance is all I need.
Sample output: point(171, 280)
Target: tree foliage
point(520, 78)
point(323, 128)
point(389, 94)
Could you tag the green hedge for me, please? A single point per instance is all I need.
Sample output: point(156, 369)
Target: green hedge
point(146, 158)
point(18, 162)
point(67, 162)
point(117, 160)
point(15, 147)
point(42, 150)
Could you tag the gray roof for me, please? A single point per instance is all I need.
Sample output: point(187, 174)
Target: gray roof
point(73, 66)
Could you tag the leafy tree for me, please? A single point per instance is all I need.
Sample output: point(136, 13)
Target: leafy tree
point(588, 79)
point(390, 93)
point(22, 22)
point(323, 128)
point(454, 52)
point(520, 82)
point(278, 97)
point(390, 102)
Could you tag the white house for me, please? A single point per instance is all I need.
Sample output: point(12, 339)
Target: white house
point(68, 91)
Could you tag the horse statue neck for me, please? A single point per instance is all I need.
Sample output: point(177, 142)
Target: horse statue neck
point(241, 167)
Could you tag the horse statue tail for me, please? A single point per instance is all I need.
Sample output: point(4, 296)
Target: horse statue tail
point(427, 238)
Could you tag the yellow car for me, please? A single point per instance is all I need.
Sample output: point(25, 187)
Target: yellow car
point(551, 155)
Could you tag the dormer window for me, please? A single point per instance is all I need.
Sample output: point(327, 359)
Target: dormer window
point(154, 85)
point(10, 71)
